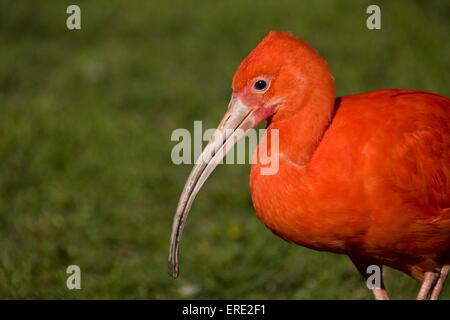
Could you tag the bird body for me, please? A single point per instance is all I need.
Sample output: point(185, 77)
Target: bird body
point(366, 175)
point(377, 185)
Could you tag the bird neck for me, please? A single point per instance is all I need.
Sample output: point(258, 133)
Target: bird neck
point(302, 125)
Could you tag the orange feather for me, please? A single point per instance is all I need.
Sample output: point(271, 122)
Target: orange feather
point(367, 176)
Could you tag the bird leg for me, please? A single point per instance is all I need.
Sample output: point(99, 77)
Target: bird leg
point(440, 283)
point(380, 294)
point(428, 282)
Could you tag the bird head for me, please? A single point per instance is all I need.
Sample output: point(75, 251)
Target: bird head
point(271, 83)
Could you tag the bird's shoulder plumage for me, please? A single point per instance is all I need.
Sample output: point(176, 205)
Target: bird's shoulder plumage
point(401, 137)
point(390, 152)
point(377, 184)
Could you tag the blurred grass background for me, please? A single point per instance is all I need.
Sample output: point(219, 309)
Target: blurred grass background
point(85, 124)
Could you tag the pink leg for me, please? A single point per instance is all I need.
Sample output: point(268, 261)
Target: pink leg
point(380, 294)
point(427, 284)
point(440, 283)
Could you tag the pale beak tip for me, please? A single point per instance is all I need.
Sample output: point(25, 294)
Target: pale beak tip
point(239, 118)
point(173, 270)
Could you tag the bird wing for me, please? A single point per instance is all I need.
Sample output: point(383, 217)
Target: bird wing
point(421, 154)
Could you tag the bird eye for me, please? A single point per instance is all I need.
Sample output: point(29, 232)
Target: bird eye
point(260, 85)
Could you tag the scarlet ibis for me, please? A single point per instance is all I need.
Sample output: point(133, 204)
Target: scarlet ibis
point(366, 175)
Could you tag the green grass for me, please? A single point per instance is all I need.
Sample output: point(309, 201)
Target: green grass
point(85, 123)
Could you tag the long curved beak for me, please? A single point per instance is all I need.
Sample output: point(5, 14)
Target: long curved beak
point(236, 122)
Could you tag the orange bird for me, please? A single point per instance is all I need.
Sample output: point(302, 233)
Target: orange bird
point(366, 175)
